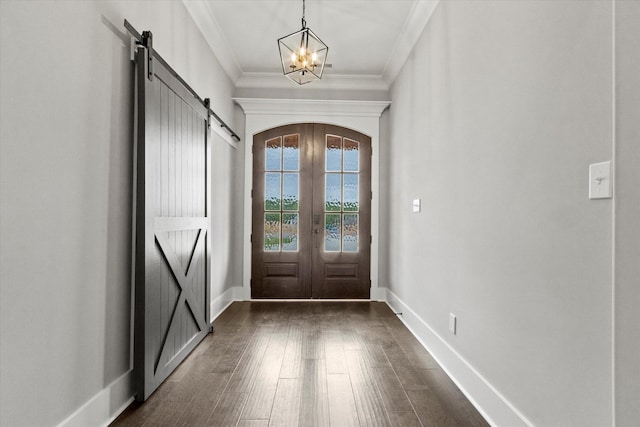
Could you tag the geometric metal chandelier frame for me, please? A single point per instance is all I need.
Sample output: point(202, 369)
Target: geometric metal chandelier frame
point(302, 54)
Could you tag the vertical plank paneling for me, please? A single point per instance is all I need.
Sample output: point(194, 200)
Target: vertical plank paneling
point(171, 308)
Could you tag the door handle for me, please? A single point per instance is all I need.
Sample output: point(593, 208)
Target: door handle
point(316, 231)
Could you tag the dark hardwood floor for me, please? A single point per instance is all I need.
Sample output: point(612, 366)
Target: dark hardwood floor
point(306, 364)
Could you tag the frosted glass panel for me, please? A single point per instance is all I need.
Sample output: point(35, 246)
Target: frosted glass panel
point(351, 156)
point(291, 153)
point(272, 232)
point(273, 154)
point(334, 154)
point(332, 232)
point(350, 233)
point(272, 191)
point(290, 232)
point(333, 192)
point(290, 190)
point(350, 192)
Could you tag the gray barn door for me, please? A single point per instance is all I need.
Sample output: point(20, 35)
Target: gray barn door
point(172, 236)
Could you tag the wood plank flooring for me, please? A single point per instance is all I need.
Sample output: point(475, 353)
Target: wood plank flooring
point(306, 364)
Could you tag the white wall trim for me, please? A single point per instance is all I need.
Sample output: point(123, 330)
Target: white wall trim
point(205, 21)
point(323, 107)
point(105, 406)
point(364, 82)
point(219, 304)
point(496, 409)
point(262, 114)
point(414, 26)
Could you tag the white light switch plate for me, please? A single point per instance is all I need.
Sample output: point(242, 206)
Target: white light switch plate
point(600, 181)
point(416, 205)
point(452, 323)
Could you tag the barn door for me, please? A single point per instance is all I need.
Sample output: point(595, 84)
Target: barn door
point(172, 224)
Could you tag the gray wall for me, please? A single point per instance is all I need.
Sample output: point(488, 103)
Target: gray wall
point(627, 226)
point(66, 88)
point(494, 121)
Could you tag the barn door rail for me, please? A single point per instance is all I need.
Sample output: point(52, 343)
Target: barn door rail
point(146, 40)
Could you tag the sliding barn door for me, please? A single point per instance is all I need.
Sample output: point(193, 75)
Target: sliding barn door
point(172, 224)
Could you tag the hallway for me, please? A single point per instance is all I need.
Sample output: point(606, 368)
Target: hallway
point(307, 364)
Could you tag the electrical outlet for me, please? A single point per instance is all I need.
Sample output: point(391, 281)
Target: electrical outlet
point(452, 323)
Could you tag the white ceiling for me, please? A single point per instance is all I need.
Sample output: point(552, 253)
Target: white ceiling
point(369, 40)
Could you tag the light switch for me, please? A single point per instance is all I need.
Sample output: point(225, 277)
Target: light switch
point(416, 205)
point(600, 181)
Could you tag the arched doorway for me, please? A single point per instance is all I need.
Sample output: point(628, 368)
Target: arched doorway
point(311, 213)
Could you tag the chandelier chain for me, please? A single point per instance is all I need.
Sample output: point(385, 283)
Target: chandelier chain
point(304, 22)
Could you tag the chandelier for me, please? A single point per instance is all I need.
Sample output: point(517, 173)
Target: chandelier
point(302, 54)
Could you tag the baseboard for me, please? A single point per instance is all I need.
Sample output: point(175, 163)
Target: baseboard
point(105, 406)
point(379, 294)
point(112, 400)
point(219, 304)
point(497, 410)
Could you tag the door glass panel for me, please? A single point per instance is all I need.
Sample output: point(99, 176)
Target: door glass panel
point(290, 232)
point(342, 194)
point(350, 233)
point(273, 154)
point(290, 190)
point(291, 153)
point(272, 191)
point(351, 156)
point(334, 154)
point(332, 232)
point(350, 192)
point(271, 231)
point(333, 202)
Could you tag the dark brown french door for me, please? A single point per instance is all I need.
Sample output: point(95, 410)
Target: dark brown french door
point(311, 213)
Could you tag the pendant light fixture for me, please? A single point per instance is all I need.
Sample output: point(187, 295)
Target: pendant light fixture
point(302, 54)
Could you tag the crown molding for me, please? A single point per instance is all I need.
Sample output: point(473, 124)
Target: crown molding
point(205, 21)
point(328, 81)
point(258, 106)
point(414, 26)
point(416, 21)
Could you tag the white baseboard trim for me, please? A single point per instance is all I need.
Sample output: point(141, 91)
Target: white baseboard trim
point(105, 406)
point(112, 400)
point(219, 304)
point(379, 294)
point(497, 410)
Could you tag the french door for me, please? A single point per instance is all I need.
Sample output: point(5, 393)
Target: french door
point(311, 213)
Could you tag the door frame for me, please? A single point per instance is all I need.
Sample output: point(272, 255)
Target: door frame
point(361, 116)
